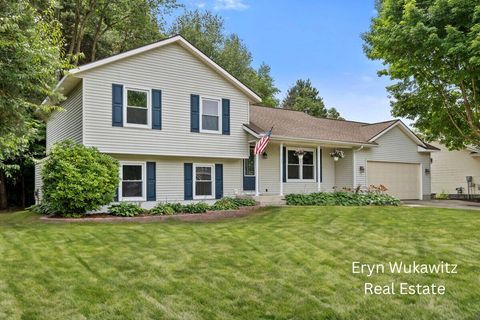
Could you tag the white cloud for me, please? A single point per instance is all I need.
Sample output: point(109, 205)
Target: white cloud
point(201, 4)
point(230, 5)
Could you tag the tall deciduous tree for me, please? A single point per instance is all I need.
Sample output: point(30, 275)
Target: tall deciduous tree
point(206, 31)
point(30, 57)
point(95, 29)
point(303, 96)
point(432, 49)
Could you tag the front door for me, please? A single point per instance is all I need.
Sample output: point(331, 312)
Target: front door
point(249, 172)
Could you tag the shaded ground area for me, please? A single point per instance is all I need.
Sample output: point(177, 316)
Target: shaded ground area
point(278, 263)
point(452, 204)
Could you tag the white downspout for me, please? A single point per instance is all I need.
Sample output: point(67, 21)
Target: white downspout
point(355, 168)
point(281, 169)
point(319, 182)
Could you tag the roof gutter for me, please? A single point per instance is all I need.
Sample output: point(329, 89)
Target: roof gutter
point(330, 142)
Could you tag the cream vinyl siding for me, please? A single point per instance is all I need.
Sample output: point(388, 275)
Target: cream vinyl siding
point(450, 168)
point(344, 170)
point(393, 146)
point(38, 184)
point(401, 179)
point(270, 173)
point(178, 74)
point(170, 178)
point(66, 123)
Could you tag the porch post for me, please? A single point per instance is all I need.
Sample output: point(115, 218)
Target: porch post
point(257, 176)
point(319, 182)
point(281, 169)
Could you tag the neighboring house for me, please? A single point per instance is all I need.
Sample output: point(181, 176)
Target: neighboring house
point(450, 170)
point(183, 129)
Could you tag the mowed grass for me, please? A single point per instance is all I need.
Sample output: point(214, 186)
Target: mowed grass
point(288, 263)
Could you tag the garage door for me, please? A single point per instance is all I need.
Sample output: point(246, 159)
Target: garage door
point(401, 179)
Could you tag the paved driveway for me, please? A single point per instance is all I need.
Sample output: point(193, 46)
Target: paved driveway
point(451, 204)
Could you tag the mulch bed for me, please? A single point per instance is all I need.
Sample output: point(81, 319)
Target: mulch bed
point(208, 216)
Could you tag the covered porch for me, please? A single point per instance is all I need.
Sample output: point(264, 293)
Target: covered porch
point(293, 166)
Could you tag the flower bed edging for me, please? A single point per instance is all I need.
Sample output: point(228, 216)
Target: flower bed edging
point(208, 216)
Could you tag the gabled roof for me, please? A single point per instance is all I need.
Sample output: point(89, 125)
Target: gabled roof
point(299, 125)
point(66, 80)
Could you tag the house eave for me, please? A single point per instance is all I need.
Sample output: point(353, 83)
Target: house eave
point(185, 44)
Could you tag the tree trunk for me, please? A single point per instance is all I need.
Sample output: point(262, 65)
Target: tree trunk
point(3, 192)
point(95, 39)
point(23, 191)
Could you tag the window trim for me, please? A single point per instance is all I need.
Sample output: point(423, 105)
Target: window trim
point(144, 181)
point(300, 165)
point(219, 131)
point(194, 179)
point(149, 107)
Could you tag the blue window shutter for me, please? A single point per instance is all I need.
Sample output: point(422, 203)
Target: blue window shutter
point(218, 181)
point(188, 181)
point(194, 113)
point(284, 164)
point(115, 198)
point(117, 105)
point(225, 116)
point(151, 182)
point(318, 169)
point(157, 109)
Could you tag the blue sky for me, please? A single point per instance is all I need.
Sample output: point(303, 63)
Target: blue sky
point(319, 40)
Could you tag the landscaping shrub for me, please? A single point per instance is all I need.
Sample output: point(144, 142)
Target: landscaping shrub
point(162, 209)
point(77, 179)
point(125, 209)
point(176, 207)
point(244, 202)
point(342, 199)
point(199, 207)
point(42, 208)
point(225, 204)
point(441, 196)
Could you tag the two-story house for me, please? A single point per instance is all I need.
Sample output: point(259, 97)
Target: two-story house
point(183, 129)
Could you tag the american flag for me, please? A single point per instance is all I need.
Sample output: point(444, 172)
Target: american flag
point(262, 143)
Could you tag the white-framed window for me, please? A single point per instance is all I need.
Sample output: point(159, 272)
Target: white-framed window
point(203, 181)
point(300, 168)
point(133, 181)
point(210, 115)
point(137, 109)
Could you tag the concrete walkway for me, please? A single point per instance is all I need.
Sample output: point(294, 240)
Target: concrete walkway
point(448, 204)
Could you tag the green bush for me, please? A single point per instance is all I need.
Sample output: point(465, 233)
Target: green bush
point(162, 209)
point(225, 204)
point(176, 207)
point(42, 208)
point(342, 199)
point(244, 202)
point(199, 207)
point(77, 179)
point(441, 196)
point(125, 209)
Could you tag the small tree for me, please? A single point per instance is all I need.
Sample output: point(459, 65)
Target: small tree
point(77, 179)
point(303, 96)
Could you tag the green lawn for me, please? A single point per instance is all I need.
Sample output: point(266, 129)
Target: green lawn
point(290, 263)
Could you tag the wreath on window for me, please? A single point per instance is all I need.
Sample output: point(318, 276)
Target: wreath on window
point(337, 154)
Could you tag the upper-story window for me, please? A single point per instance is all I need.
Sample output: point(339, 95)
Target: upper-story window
point(211, 115)
point(137, 107)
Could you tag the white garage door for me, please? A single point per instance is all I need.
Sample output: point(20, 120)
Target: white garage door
point(401, 179)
